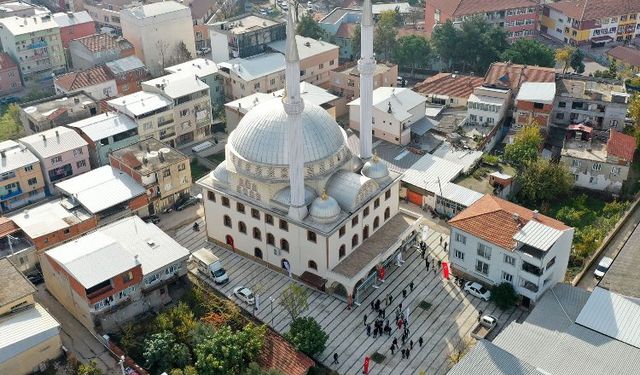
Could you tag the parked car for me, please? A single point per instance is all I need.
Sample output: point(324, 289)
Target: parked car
point(603, 267)
point(151, 219)
point(486, 324)
point(36, 278)
point(9, 100)
point(191, 200)
point(244, 294)
point(477, 290)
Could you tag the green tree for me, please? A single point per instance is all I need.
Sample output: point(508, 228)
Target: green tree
point(254, 369)
point(576, 61)
point(563, 56)
point(504, 296)
point(385, 34)
point(445, 40)
point(89, 368)
point(188, 370)
point(543, 181)
point(525, 146)
point(178, 320)
point(634, 113)
point(412, 51)
point(309, 27)
point(294, 299)
point(162, 352)
point(229, 352)
point(182, 53)
point(355, 41)
point(307, 336)
point(529, 52)
point(10, 126)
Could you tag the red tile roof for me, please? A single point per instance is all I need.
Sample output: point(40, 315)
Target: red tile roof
point(469, 7)
point(452, 85)
point(445, 6)
point(511, 76)
point(627, 55)
point(103, 42)
point(492, 219)
point(584, 10)
point(78, 80)
point(7, 226)
point(345, 30)
point(6, 62)
point(621, 145)
point(278, 354)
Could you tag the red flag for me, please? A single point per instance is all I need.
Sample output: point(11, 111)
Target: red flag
point(381, 273)
point(445, 270)
point(366, 365)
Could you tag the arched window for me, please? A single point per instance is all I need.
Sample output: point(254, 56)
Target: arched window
point(242, 227)
point(365, 232)
point(342, 252)
point(284, 245)
point(376, 222)
point(256, 234)
point(271, 240)
point(312, 265)
point(227, 221)
point(257, 253)
point(387, 213)
point(354, 240)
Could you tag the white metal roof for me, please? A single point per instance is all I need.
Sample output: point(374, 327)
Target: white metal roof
point(154, 9)
point(402, 100)
point(539, 92)
point(425, 173)
point(456, 193)
point(537, 235)
point(311, 93)
point(613, 315)
point(255, 67)
point(178, 84)
point(47, 217)
point(101, 188)
point(24, 330)
point(307, 47)
point(486, 358)
point(466, 158)
point(201, 67)
point(15, 156)
point(24, 25)
point(243, 105)
point(502, 176)
point(486, 99)
point(125, 64)
point(70, 19)
point(104, 125)
point(140, 103)
point(56, 141)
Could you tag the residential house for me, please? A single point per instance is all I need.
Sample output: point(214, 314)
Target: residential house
point(340, 24)
point(106, 13)
point(202, 39)
point(518, 18)
point(164, 172)
point(98, 49)
point(448, 89)
point(62, 153)
point(73, 26)
point(61, 109)
point(509, 76)
point(243, 36)
point(35, 45)
point(598, 165)
point(118, 272)
point(157, 32)
point(15, 246)
point(488, 106)
point(396, 111)
point(534, 103)
point(30, 335)
point(20, 9)
point(129, 73)
point(97, 82)
point(21, 176)
point(599, 103)
point(625, 56)
point(207, 71)
point(345, 80)
point(495, 241)
point(104, 133)
point(9, 75)
point(201, 11)
point(590, 22)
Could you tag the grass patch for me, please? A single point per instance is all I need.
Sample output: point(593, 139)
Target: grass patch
point(424, 305)
point(197, 170)
point(377, 357)
point(216, 158)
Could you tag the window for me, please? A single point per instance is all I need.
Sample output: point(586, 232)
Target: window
point(482, 267)
point(311, 264)
point(596, 166)
point(28, 168)
point(32, 181)
point(387, 213)
point(509, 260)
point(242, 227)
point(376, 203)
point(615, 170)
point(458, 254)
point(342, 231)
point(460, 238)
point(320, 66)
point(538, 105)
point(257, 253)
point(507, 277)
point(225, 201)
point(81, 164)
point(376, 223)
point(365, 232)
point(270, 239)
point(551, 262)
point(560, 116)
point(257, 234)
point(211, 196)
point(387, 194)
point(613, 123)
point(66, 231)
point(484, 251)
point(227, 221)
point(575, 163)
point(354, 221)
point(126, 277)
point(181, 167)
point(311, 236)
point(342, 252)
point(365, 213)
point(284, 225)
point(268, 219)
point(255, 214)
point(77, 151)
point(166, 173)
point(284, 245)
point(354, 240)
point(240, 207)
point(56, 159)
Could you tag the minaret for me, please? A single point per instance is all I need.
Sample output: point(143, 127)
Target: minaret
point(366, 67)
point(293, 106)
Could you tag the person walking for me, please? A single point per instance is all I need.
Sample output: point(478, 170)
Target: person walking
point(439, 264)
point(404, 293)
point(407, 353)
point(404, 339)
point(445, 246)
point(426, 263)
point(411, 286)
point(365, 319)
point(420, 341)
point(393, 347)
point(373, 305)
point(479, 315)
point(411, 344)
point(403, 353)
point(383, 313)
point(440, 240)
point(369, 330)
point(335, 359)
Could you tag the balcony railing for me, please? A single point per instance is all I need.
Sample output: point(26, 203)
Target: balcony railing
point(167, 135)
point(164, 122)
point(10, 193)
point(530, 268)
point(530, 286)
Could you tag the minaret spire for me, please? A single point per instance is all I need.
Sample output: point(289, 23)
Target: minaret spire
point(366, 67)
point(294, 106)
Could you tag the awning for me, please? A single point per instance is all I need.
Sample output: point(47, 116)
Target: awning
point(313, 280)
point(422, 126)
point(600, 39)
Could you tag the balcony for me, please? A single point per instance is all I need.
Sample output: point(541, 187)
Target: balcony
point(530, 268)
point(163, 122)
point(9, 193)
point(167, 135)
point(91, 293)
point(528, 285)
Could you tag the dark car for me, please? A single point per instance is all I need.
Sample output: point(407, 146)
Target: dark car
point(151, 219)
point(189, 202)
point(8, 100)
point(36, 278)
point(180, 201)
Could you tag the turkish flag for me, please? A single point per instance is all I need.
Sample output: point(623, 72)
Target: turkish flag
point(445, 270)
point(381, 273)
point(366, 365)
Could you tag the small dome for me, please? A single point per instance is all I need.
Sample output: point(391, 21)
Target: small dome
point(324, 209)
point(375, 169)
point(220, 173)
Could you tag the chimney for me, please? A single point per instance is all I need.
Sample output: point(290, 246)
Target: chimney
point(57, 134)
point(44, 138)
point(536, 214)
point(516, 217)
point(2, 154)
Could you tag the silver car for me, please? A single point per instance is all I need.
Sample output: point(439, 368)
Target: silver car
point(244, 294)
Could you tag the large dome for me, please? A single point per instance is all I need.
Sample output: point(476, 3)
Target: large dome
point(262, 134)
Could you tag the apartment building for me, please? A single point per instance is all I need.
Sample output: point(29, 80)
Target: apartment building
point(21, 179)
point(625, 56)
point(73, 26)
point(495, 241)
point(35, 45)
point(488, 106)
point(509, 76)
point(519, 18)
point(19, 9)
point(30, 335)
point(97, 82)
point(9, 75)
point(591, 22)
point(448, 89)
point(129, 73)
point(116, 273)
point(98, 49)
point(163, 171)
point(207, 71)
point(243, 36)
point(62, 154)
point(15, 246)
point(534, 103)
point(61, 109)
point(598, 165)
point(106, 13)
point(156, 31)
point(345, 80)
point(340, 24)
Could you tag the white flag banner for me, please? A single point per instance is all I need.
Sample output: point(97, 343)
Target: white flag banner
point(257, 302)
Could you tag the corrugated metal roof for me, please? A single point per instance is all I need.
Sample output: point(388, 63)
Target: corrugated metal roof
point(613, 315)
point(559, 307)
point(256, 66)
point(539, 92)
point(71, 19)
point(422, 126)
point(307, 47)
point(48, 217)
point(537, 235)
point(466, 158)
point(125, 64)
point(488, 359)
point(458, 194)
point(178, 84)
point(140, 102)
point(22, 331)
point(104, 125)
point(15, 156)
point(401, 100)
point(201, 67)
point(425, 173)
point(56, 141)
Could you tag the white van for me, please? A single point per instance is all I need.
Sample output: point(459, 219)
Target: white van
point(602, 267)
point(201, 147)
point(210, 265)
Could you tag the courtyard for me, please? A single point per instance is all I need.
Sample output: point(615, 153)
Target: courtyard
point(444, 326)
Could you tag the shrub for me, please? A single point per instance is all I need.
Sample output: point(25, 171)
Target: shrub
point(424, 305)
point(377, 357)
point(307, 336)
point(504, 296)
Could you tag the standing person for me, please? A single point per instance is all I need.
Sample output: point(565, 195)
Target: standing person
point(411, 344)
point(393, 347)
point(378, 306)
point(411, 286)
point(383, 312)
point(395, 341)
point(390, 299)
point(404, 338)
point(440, 240)
point(404, 293)
point(400, 307)
point(407, 353)
point(365, 319)
point(369, 330)
point(426, 263)
point(403, 353)
point(335, 359)
point(479, 314)
point(439, 264)
point(420, 341)
point(445, 246)
point(373, 305)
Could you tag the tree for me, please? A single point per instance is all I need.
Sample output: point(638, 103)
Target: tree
point(563, 56)
point(309, 27)
point(163, 49)
point(445, 39)
point(355, 41)
point(504, 296)
point(412, 51)
point(10, 126)
point(529, 52)
point(229, 352)
point(525, 146)
point(182, 53)
point(188, 370)
point(307, 336)
point(542, 181)
point(576, 61)
point(162, 352)
point(385, 34)
point(254, 369)
point(294, 299)
point(179, 320)
point(89, 368)
point(634, 109)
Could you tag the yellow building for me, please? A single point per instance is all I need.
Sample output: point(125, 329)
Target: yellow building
point(21, 179)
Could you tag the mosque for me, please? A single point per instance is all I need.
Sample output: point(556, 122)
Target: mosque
point(294, 194)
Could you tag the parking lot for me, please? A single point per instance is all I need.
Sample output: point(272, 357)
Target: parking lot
point(450, 318)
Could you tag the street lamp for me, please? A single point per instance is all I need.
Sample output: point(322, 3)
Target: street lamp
point(271, 303)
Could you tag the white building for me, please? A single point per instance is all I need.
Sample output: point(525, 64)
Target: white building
point(487, 106)
point(495, 241)
point(156, 30)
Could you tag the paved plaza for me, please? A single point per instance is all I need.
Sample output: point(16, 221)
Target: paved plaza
point(451, 317)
